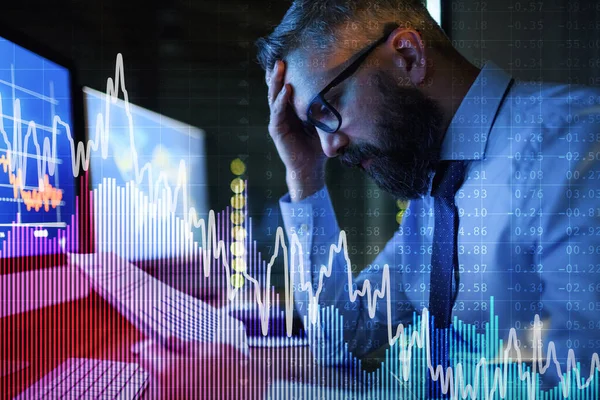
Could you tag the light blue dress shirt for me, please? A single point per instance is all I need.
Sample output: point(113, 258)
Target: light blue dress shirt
point(529, 229)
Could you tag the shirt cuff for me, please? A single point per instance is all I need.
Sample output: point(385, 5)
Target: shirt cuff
point(312, 218)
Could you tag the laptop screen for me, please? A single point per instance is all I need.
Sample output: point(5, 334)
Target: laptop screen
point(148, 177)
point(37, 185)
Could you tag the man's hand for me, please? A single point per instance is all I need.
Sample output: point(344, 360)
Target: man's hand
point(200, 371)
point(299, 147)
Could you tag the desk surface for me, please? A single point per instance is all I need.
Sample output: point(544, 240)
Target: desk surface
point(91, 328)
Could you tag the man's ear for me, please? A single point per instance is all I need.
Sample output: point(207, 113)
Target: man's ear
point(410, 54)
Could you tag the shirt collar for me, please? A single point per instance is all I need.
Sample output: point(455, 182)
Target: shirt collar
point(468, 131)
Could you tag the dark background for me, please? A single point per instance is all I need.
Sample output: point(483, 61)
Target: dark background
point(195, 61)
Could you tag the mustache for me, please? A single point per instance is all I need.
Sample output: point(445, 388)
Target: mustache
point(354, 154)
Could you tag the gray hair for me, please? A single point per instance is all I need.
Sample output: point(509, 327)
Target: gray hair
point(317, 25)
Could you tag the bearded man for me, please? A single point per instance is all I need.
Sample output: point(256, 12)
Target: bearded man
point(501, 175)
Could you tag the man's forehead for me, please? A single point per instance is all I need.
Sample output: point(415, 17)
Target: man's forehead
point(310, 73)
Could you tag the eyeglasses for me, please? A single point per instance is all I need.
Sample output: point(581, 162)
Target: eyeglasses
point(320, 113)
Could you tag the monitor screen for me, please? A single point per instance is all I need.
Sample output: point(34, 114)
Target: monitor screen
point(37, 185)
point(147, 173)
point(435, 9)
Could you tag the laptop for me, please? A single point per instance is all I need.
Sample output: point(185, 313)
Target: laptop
point(152, 171)
point(149, 182)
point(40, 125)
point(40, 122)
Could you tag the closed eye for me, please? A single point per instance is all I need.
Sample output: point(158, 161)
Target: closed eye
point(334, 97)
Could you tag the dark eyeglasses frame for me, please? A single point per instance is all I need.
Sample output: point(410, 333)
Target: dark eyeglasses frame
point(361, 56)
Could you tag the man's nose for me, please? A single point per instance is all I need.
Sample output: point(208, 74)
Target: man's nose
point(332, 143)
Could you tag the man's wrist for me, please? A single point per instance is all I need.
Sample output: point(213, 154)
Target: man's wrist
point(302, 185)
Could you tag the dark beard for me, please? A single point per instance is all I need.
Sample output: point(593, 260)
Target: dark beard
point(408, 135)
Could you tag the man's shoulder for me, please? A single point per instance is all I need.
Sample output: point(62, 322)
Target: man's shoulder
point(550, 113)
point(554, 102)
point(545, 134)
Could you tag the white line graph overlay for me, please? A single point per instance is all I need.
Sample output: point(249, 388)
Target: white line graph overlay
point(162, 200)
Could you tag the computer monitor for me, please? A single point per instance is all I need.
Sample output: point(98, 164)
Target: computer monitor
point(37, 131)
point(435, 9)
point(141, 145)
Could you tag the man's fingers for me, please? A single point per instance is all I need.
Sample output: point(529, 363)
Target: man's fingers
point(278, 122)
point(276, 81)
point(279, 96)
point(281, 100)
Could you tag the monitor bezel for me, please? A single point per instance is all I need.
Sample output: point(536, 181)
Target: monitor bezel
point(18, 264)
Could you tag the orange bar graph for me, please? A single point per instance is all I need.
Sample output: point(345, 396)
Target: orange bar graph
point(33, 199)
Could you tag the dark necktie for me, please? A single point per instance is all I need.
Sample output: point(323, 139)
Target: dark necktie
point(444, 263)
